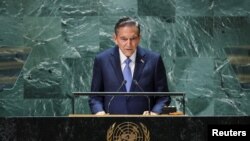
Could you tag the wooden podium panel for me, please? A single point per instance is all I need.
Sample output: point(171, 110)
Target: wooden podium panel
point(118, 127)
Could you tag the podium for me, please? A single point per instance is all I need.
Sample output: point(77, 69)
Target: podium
point(166, 109)
point(115, 128)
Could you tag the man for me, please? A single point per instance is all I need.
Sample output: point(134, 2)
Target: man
point(128, 68)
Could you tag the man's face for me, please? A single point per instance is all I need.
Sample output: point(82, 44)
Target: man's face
point(127, 39)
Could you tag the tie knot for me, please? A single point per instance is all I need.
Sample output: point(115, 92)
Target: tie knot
point(127, 61)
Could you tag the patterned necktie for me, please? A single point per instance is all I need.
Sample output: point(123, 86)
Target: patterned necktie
point(127, 74)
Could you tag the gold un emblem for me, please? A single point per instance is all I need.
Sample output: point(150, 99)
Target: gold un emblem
point(128, 131)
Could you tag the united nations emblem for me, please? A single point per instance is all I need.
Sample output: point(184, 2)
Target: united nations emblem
point(128, 131)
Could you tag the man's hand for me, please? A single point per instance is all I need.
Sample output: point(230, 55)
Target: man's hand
point(100, 113)
point(149, 113)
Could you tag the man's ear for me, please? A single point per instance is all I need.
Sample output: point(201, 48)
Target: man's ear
point(115, 38)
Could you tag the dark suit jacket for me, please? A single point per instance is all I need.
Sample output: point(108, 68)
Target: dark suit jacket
point(149, 72)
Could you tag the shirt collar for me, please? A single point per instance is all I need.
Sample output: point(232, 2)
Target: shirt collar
point(123, 57)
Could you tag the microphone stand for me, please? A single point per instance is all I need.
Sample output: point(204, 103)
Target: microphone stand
point(149, 101)
point(122, 84)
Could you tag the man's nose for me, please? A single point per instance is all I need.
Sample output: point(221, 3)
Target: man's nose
point(129, 42)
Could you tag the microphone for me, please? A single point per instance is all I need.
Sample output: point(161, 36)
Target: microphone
point(123, 83)
point(119, 88)
point(142, 61)
point(149, 102)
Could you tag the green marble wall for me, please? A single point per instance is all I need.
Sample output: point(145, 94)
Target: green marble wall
point(196, 39)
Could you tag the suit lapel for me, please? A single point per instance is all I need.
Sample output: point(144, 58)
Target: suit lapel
point(115, 61)
point(139, 65)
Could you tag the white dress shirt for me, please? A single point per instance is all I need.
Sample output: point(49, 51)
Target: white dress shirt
point(131, 64)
